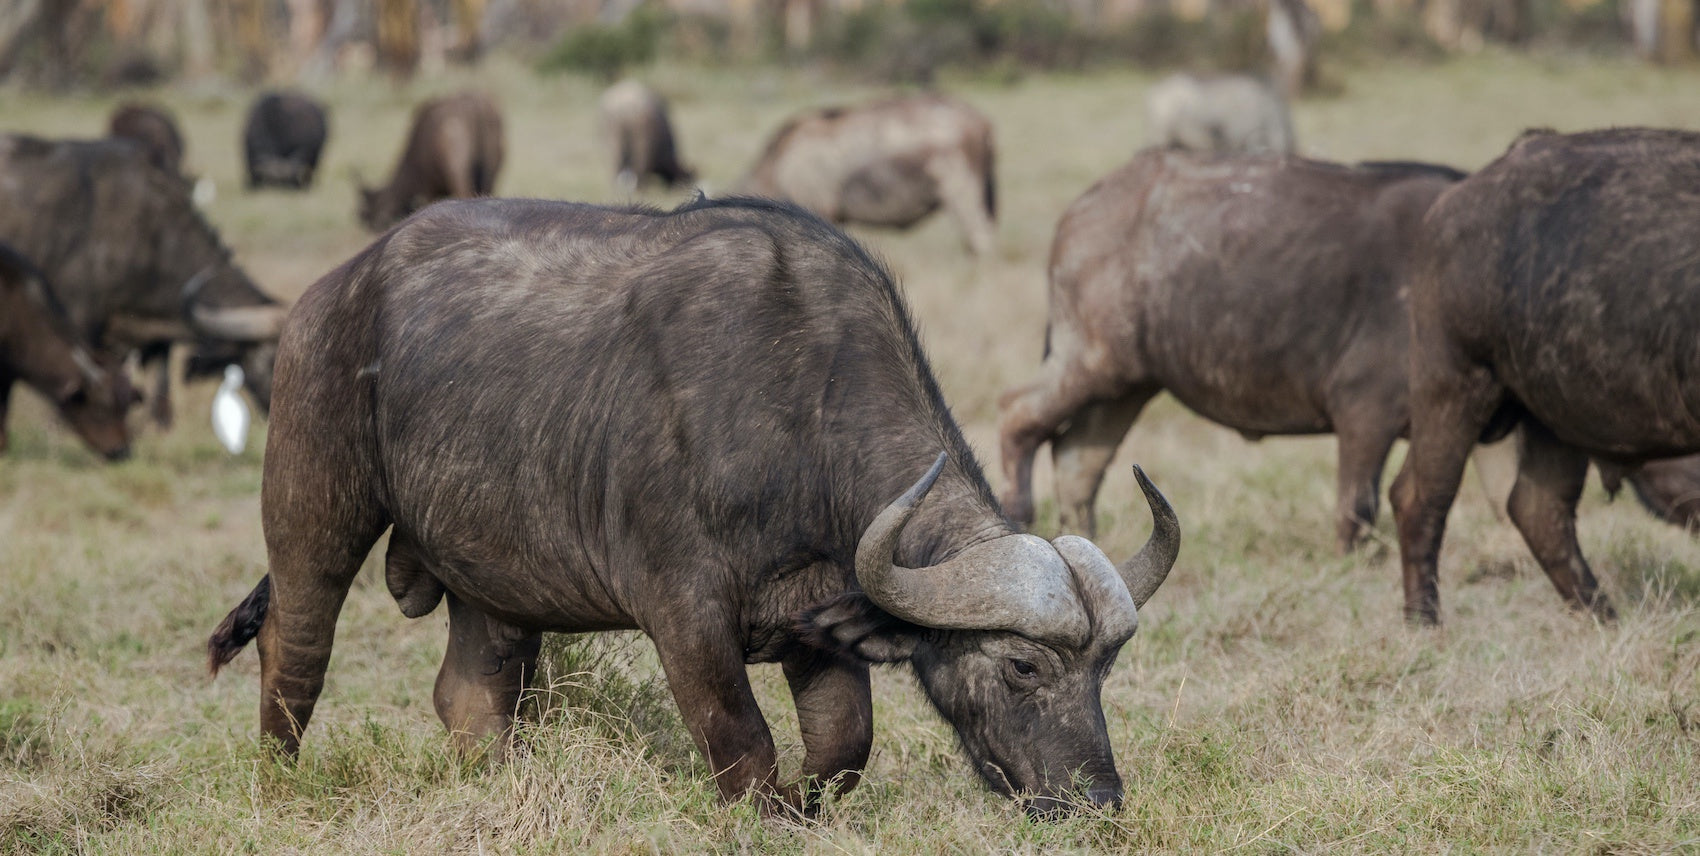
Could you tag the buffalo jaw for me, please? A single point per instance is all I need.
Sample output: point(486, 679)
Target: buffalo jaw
point(1019, 635)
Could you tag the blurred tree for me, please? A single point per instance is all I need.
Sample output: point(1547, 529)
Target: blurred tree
point(468, 20)
point(398, 36)
point(1293, 29)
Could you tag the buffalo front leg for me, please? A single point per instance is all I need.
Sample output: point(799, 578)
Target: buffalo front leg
point(1449, 409)
point(1083, 451)
point(705, 670)
point(486, 668)
point(964, 193)
point(6, 380)
point(1363, 452)
point(1550, 475)
point(159, 406)
point(835, 711)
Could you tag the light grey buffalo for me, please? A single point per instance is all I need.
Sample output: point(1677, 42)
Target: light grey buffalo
point(637, 127)
point(1223, 114)
point(886, 163)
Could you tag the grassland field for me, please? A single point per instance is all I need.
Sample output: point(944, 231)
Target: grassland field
point(1273, 700)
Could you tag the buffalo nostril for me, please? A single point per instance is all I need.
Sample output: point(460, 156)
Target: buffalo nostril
point(1109, 797)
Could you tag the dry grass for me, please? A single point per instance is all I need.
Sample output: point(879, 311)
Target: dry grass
point(1273, 699)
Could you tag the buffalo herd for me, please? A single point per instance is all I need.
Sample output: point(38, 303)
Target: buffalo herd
point(742, 450)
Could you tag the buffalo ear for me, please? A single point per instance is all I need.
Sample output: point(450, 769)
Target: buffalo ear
point(850, 625)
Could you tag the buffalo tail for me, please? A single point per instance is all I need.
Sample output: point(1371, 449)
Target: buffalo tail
point(239, 627)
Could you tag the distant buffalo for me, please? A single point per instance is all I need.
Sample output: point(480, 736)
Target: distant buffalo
point(1267, 294)
point(283, 139)
point(153, 129)
point(131, 258)
point(40, 347)
point(1228, 114)
point(1558, 290)
point(888, 163)
point(634, 119)
point(454, 149)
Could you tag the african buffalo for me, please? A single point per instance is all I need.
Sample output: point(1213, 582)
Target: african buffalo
point(1264, 293)
point(282, 139)
point(132, 260)
point(1557, 289)
point(695, 423)
point(154, 130)
point(1668, 488)
point(39, 346)
point(454, 150)
point(888, 163)
point(1228, 114)
point(634, 119)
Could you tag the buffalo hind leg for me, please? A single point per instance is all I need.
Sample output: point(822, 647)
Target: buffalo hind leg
point(835, 712)
point(1550, 476)
point(964, 196)
point(486, 668)
point(1029, 416)
point(1450, 406)
point(6, 380)
point(1083, 451)
point(1362, 448)
point(704, 663)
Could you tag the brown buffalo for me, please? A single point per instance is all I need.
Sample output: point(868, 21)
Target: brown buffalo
point(706, 424)
point(282, 140)
point(888, 163)
point(634, 119)
point(131, 258)
point(454, 150)
point(154, 130)
point(39, 346)
point(1264, 293)
point(1558, 290)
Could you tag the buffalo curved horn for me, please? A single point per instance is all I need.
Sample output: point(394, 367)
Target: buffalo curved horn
point(1150, 566)
point(240, 323)
point(1015, 582)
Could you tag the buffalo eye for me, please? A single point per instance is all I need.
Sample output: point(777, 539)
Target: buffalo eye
point(1021, 674)
point(1023, 668)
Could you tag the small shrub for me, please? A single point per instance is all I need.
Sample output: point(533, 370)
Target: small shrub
point(608, 49)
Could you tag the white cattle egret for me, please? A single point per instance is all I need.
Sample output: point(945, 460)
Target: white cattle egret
point(230, 413)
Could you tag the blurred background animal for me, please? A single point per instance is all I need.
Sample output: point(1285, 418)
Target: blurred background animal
point(888, 163)
point(282, 140)
point(454, 150)
point(152, 128)
point(1223, 114)
point(636, 126)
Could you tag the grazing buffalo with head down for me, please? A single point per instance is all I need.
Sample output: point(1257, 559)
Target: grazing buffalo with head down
point(1558, 289)
point(1230, 114)
point(154, 130)
point(454, 150)
point(1266, 294)
point(705, 424)
point(132, 260)
point(888, 163)
point(634, 119)
point(282, 140)
point(39, 346)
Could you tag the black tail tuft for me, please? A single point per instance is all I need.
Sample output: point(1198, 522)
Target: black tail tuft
point(239, 627)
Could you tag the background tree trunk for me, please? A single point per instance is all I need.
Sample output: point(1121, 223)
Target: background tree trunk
point(398, 36)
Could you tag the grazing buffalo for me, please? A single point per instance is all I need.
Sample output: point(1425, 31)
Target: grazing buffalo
point(1265, 293)
point(1558, 290)
point(133, 261)
point(634, 119)
point(39, 346)
point(1230, 114)
point(454, 150)
point(154, 130)
point(706, 424)
point(282, 140)
point(888, 163)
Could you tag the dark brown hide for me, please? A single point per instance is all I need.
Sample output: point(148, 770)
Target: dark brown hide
point(1264, 293)
point(282, 140)
point(575, 418)
point(39, 346)
point(454, 150)
point(886, 163)
point(154, 130)
point(130, 257)
point(1559, 285)
point(1668, 488)
point(634, 119)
